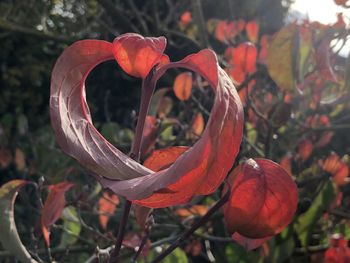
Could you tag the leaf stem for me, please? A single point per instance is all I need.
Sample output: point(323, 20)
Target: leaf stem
point(121, 230)
point(193, 228)
point(146, 95)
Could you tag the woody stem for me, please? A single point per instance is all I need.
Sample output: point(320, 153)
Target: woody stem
point(146, 95)
point(193, 228)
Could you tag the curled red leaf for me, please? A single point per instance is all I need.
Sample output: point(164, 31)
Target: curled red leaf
point(136, 54)
point(263, 199)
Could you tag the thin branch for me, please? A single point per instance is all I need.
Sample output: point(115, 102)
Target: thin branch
point(118, 15)
point(199, 20)
point(193, 228)
point(12, 27)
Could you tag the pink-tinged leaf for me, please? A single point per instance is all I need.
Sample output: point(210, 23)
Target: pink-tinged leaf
point(53, 207)
point(263, 199)
point(249, 243)
point(252, 29)
point(70, 114)
point(9, 237)
point(200, 170)
point(183, 86)
point(107, 204)
point(136, 54)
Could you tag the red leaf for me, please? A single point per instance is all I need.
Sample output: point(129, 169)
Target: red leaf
point(323, 56)
point(339, 251)
point(198, 124)
point(286, 162)
point(107, 205)
point(136, 54)
point(252, 29)
point(263, 199)
point(183, 86)
point(245, 57)
point(340, 2)
point(185, 19)
point(53, 207)
point(225, 31)
point(305, 149)
point(249, 243)
point(200, 210)
point(162, 159)
point(200, 170)
point(337, 168)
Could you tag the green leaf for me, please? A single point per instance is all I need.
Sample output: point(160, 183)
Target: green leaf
point(178, 255)
point(280, 57)
point(306, 58)
point(343, 228)
point(282, 246)
point(22, 124)
point(109, 131)
point(237, 254)
point(9, 237)
point(156, 99)
point(252, 135)
point(307, 221)
point(72, 226)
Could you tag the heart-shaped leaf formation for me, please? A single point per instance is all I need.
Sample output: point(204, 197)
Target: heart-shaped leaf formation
point(199, 170)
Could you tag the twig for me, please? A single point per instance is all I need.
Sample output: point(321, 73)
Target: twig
point(57, 250)
point(115, 253)
point(9, 26)
point(139, 18)
point(199, 20)
point(194, 227)
point(142, 244)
